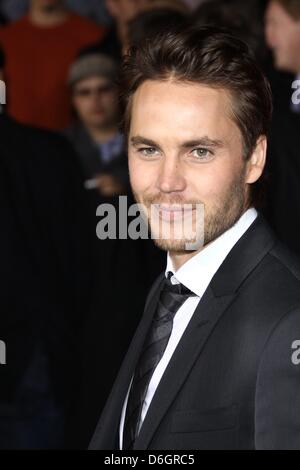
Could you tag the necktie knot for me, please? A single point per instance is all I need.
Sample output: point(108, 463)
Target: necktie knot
point(177, 288)
point(172, 296)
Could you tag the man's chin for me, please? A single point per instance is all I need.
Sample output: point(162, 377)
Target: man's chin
point(177, 246)
point(178, 236)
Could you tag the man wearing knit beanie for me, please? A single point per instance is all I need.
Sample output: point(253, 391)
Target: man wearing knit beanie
point(94, 133)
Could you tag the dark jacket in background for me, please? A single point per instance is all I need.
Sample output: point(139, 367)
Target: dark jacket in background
point(126, 270)
point(67, 312)
point(46, 280)
point(282, 207)
point(90, 156)
point(283, 202)
point(110, 45)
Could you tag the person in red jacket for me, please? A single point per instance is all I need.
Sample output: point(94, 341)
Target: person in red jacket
point(39, 48)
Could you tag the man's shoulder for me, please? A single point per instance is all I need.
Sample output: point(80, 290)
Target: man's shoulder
point(259, 258)
point(21, 133)
point(287, 260)
point(275, 279)
point(41, 151)
point(273, 288)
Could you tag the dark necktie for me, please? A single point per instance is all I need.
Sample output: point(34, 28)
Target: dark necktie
point(170, 300)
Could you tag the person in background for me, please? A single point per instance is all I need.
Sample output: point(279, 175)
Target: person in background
point(193, 4)
point(242, 19)
point(115, 40)
point(57, 290)
point(2, 62)
point(3, 20)
point(47, 278)
point(153, 21)
point(39, 50)
point(95, 134)
point(282, 32)
point(14, 9)
point(123, 11)
point(94, 9)
point(120, 262)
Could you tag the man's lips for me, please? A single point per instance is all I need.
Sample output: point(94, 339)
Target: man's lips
point(173, 212)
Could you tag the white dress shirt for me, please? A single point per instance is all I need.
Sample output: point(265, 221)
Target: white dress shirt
point(196, 275)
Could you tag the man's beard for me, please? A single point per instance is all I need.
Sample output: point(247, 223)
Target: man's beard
point(217, 219)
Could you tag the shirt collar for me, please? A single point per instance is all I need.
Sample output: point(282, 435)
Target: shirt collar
point(198, 271)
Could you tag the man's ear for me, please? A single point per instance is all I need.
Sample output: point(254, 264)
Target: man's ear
point(257, 161)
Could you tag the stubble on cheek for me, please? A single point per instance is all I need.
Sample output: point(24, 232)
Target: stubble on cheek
point(221, 210)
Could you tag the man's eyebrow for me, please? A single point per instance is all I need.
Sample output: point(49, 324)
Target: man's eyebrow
point(139, 140)
point(203, 142)
point(199, 142)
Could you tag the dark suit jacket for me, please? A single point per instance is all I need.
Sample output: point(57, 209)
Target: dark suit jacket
point(58, 280)
point(231, 383)
point(283, 165)
point(46, 264)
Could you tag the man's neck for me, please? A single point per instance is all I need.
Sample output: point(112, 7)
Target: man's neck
point(179, 259)
point(48, 18)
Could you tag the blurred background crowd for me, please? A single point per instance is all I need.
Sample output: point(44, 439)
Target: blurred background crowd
point(69, 302)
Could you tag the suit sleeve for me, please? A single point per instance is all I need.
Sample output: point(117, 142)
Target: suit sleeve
point(277, 401)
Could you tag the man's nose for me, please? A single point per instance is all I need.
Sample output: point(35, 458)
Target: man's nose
point(171, 177)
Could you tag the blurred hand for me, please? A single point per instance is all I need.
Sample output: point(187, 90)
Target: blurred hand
point(109, 185)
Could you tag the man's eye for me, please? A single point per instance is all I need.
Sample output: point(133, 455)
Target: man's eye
point(147, 151)
point(202, 153)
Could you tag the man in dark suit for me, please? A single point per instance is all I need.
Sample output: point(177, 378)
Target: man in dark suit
point(215, 361)
point(46, 280)
point(57, 284)
point(282, 33)
point(94, 133)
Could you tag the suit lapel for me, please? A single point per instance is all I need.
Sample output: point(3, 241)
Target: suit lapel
point(206, 315)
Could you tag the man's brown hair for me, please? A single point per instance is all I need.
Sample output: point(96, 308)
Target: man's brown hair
point(208, 56)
